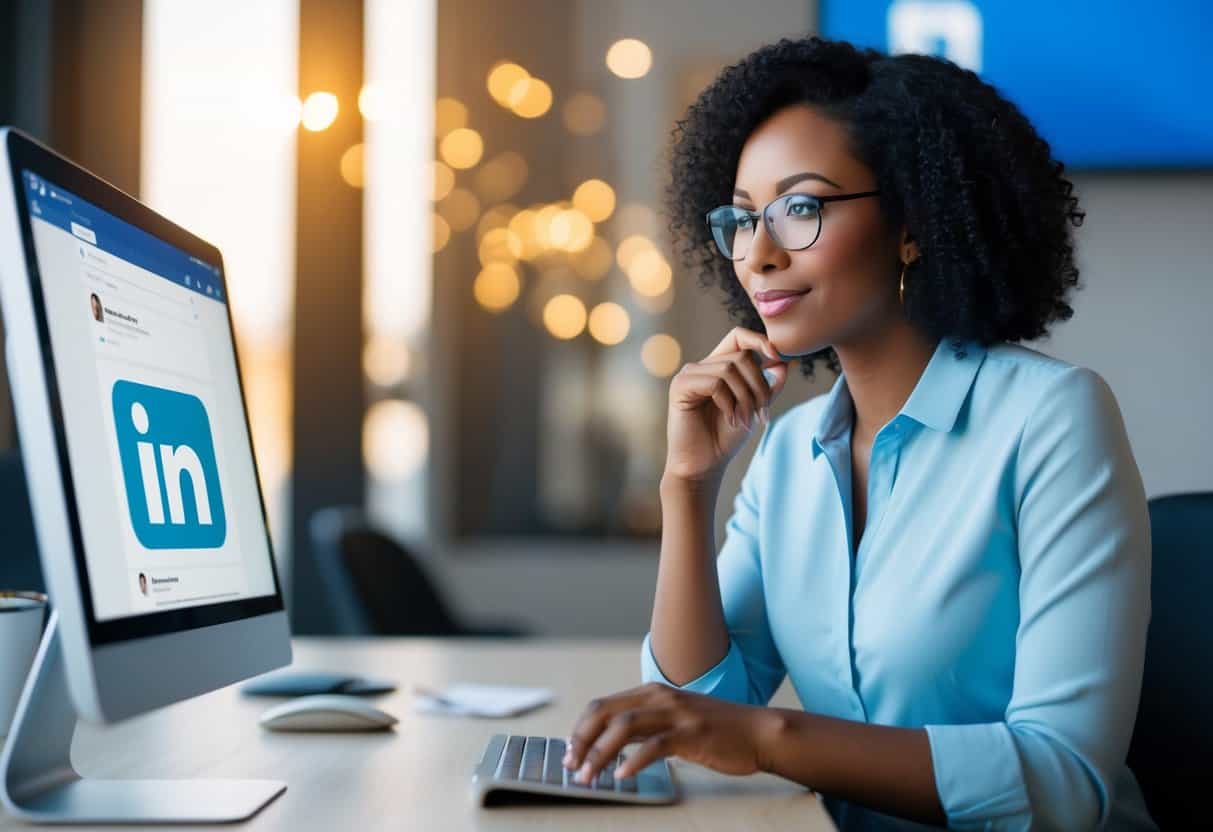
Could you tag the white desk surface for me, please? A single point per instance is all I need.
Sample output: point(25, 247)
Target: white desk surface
point(418, 776)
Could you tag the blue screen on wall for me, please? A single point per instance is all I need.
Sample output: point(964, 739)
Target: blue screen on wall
point(1109, 84)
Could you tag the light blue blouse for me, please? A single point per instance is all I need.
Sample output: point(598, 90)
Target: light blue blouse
point(999, 596)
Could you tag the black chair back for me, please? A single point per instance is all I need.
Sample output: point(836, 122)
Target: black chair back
point(19, 564)
point(1171, 752)
point(379, 587)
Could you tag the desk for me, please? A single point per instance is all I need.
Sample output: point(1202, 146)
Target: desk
point(418, 776)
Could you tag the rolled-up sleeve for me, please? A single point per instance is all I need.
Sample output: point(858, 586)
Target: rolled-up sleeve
point(751, 670)
point(1084, 596)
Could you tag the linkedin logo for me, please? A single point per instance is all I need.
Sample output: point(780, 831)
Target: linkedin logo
point(168, 465)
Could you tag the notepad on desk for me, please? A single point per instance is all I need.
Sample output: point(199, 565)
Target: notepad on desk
point(493, 701)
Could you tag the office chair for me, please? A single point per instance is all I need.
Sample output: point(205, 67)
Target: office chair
point(379, 587)
point(1171, 752)
point(19, 565)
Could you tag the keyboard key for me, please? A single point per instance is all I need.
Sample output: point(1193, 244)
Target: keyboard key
point(532, 759)
point(553, 766)
point(511, 760)
point(606, 778)
point(492, 751)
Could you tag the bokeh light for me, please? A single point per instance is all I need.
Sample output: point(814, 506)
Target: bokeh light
point(584, 114)
point(443, 179)
point(395, 439)
point(595, 199)
point(461, 209)
point(500, 245)
point(649, 273)
point(373, 103)
point(595, 260)
point(498, 216)
point(502, 78)
point(570, 230)
point(609, 323)
point(630, 247)
point(442, 233)
point(386, 361)
point(449, 114)
point(564, 316)
point(351, 166)
point(636, 218)
point(496, 287)
point(502, 176)
point(661, 355)
point(461, 148)
point(629, 58)
point(319, 111)
point(530, 98)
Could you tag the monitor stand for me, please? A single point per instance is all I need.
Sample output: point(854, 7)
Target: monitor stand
point(40, 785)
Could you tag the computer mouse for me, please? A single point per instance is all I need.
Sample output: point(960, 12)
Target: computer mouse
point(326, 712)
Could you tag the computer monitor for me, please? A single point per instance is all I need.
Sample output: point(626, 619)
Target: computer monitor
point(144, 488)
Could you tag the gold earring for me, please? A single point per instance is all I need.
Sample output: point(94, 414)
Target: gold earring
point(902, 291)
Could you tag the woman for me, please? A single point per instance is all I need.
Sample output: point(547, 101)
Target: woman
point(949, 553)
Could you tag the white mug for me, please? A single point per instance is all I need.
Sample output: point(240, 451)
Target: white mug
point(22, 615)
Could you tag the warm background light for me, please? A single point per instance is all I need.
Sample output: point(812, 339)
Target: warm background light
point(449, 114)
point(442, 233)
point(443, 179)
point(595, 260)
point(564, 316)
point(530, 98)
point(386, 361)
point(498, 216)
point(595, 199)
point(661, 355)
point(629, 58)
point(502, 176)
point(630, 247)
point(649, 273)
point(462, 148)
point(584, 114)
point(609, 323)
point(500, 245)
point(496, 287)
point(460, 208)
point(395, 439)
point(502, 78)
point(352, 166)
point(372, 102)
point(319, 111)
point(570, 230)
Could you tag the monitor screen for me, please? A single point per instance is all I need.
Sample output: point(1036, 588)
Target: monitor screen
point(157, 439)
point(1110, 85)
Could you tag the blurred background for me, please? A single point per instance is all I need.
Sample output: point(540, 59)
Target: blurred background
point(455, 302)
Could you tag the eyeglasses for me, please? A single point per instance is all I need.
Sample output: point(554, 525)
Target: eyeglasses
point(793, 221)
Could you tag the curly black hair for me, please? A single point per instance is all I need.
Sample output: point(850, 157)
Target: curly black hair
point(955, 161)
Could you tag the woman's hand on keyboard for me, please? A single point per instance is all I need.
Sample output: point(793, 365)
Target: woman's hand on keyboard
point(668, 722)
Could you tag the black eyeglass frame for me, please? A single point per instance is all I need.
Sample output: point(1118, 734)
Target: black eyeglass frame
point(766, 221)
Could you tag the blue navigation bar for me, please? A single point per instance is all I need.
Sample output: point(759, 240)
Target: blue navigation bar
point(99, 228)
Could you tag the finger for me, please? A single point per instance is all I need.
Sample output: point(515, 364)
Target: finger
point(776, 376)
point(740, 338)
point(754, 377)
point(595, 716)
point(624, 727)
point(701, 385)
point(654, 748)
point(730, 374)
